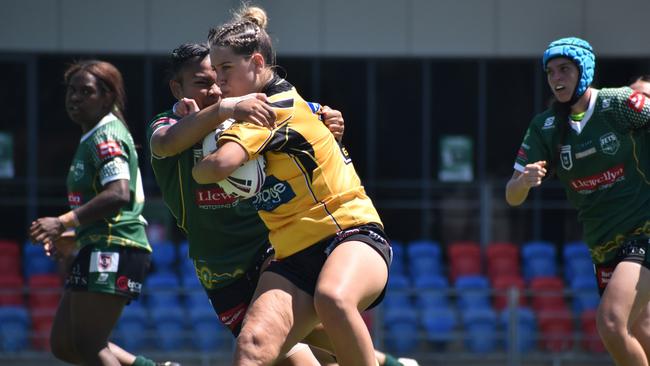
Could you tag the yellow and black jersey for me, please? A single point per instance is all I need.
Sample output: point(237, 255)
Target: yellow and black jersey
point(311, 190)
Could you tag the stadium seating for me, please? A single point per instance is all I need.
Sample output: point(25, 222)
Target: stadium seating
point(501, 286)
point(547, 293)
point(169, 327)
point(431, 291)
point(163, 257)
point(44, 291)
point(424, 258)
point(14, 328)
point(520, 323)
point(439, 323)
point(591, 340)
point(473, 292)
point(206, 330)
point(35, 261)
point(11, 290)
point(577, 261)
point(464, 259)
point(480, 325)
point(539, 260)
point(131, 330)
point(401, 329)
point(41, 320)
point(397, 293)
point(162, 290)
point(585, 293)
point(10, 258)
point(185, 264)
point(398, 266)
point(194, 293)
point(556, 328)
point(502, 259)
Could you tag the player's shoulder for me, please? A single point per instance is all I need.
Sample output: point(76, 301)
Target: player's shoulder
point(545, 121)
point(607, 94)
point(164, 117)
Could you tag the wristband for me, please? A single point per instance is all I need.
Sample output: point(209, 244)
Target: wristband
point(69, 220)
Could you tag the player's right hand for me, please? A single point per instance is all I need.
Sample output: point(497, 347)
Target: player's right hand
point(185, 106)
point(533, 174)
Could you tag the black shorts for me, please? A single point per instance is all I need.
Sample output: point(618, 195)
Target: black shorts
point(230, 303)
point(113, 270)
point(634, 250)
point(303, 268)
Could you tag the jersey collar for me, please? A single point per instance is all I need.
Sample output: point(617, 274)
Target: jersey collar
point(579, 126)
point(107, 118)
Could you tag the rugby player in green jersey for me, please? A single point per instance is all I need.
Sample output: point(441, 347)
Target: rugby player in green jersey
point(598, 144)
point(106, 200)
point(228, 242)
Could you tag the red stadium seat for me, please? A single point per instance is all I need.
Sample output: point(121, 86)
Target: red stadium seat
point(502, 284)
point(502, 259)
point(464, 259)
point(547, 293)
point(11, 290)
point(591, 339)
point(42, 319)
point(10, 258)
point(556, 328)
point(44, 291)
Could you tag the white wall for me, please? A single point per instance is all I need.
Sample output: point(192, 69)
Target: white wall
point(449, 28)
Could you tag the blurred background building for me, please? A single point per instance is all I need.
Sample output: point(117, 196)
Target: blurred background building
point(436, 96)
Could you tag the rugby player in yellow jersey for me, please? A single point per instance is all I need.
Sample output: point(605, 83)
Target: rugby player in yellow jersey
point(332, 255)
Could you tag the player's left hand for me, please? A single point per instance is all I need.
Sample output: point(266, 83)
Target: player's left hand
point(46, 230)
point(333, 119)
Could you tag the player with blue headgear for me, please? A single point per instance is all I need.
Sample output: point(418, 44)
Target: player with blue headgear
point(598, 143)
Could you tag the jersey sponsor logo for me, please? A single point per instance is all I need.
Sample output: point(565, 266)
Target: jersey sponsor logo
point(636, 101)
point(74, 199)
point(197, 153)
point(104, 261)
point(565, 157)
point(585, 153)
point(603, 274)
point(126, 284)
point(108, 149)
point(214, 198)
point(102, 279)
point(549, 123)
point(606, 104)
point(599, 181)
point(609, 143)
point(234, 316)
point(77, 169)
point(273, 194)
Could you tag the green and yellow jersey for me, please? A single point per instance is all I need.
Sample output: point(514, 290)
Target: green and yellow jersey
point(105, 154)
point(311, 190)
point(604, 165)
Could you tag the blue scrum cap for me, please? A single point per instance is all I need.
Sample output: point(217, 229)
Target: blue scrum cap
point(580, 52)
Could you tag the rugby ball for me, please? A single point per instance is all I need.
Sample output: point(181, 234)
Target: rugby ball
point(248, 179)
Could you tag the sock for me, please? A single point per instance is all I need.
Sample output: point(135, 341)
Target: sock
point(143, 361)
point(391, 361)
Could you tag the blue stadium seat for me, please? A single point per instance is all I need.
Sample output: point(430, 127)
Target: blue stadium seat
point(526, 328)
point(424, 258)
point(401, 329)
point(14, 328)
point(206, 330)
point(480, 325)
point(397, 293)
point(169, 326)
point(35, 261)
point(439, 323)
point(473, 292)
point(431, 291)
point(185, 264)
point(131, 330)
point(577, 260)
point(163, 257)
point(585, 293)
point(397, 266)
point(162, 290)
point(194, 293)
point(539, 259)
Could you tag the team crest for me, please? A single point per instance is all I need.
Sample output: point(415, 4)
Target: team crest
point(609, 143)
point(566, 158)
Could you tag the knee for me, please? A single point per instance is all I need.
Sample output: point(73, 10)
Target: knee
point(612, 326)
point(330, 301)
point(254, 348)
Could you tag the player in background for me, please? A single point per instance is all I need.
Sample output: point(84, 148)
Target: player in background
point(106, 200)
point(331, 254)
point(642, 85)
point(192, 82)
point(596, 142)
